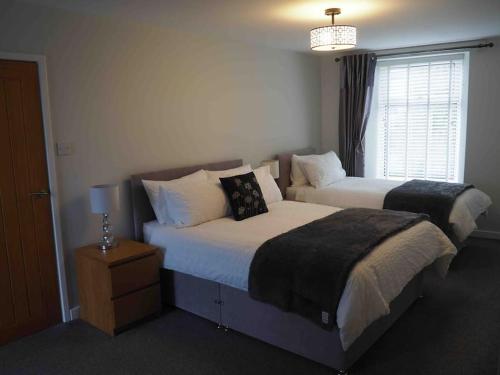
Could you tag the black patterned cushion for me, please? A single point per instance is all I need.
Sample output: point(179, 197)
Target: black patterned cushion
point(244, 195)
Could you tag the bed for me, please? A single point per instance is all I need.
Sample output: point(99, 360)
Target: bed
point(371, 192)
point(205, 272)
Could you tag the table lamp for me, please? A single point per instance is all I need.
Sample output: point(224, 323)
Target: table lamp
point(103, 200)
point(274, 166)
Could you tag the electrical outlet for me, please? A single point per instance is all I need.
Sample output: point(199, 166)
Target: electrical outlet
point(64, 148)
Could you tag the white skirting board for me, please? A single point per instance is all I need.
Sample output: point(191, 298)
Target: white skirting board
point(74, 313)
point(490, 234)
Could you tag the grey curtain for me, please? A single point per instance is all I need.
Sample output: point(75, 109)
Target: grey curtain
point(356, 89)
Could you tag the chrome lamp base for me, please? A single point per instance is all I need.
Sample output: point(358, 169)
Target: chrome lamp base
point(108, 241)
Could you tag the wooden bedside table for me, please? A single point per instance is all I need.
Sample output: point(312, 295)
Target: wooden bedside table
point(120, 286)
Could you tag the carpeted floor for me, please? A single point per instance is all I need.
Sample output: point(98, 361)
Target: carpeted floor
point(454, 330)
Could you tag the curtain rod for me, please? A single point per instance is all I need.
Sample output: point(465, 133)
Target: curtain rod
point(481, 45)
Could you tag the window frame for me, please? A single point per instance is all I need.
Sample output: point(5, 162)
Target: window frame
point(371, 134)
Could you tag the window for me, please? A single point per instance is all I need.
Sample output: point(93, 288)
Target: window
point(417, 125)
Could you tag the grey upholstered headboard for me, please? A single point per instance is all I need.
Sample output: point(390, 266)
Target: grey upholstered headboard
point(285, 161)
point(141, 208)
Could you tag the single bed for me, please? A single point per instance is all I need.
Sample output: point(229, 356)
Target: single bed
point(371, 192)
point(206, 272)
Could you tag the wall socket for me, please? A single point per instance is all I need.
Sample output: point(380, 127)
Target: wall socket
point(64, 148)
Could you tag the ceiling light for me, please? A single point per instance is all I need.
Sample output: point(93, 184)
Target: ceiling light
point(334, 37)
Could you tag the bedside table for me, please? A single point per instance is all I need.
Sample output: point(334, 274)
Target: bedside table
point(120, 286)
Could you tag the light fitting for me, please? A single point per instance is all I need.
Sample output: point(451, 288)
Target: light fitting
point(334, 37)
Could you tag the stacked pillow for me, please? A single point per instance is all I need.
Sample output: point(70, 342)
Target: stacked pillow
point(191, 204)
point(317, 170)
point(270, 190)
point(153, 191)
point(200, 197)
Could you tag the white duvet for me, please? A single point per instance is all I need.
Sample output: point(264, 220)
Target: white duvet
point(370, 193)
point(222, 250)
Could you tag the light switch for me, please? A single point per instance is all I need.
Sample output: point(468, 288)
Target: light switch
point(64, 148)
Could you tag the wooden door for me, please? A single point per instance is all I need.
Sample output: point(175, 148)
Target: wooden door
point(29, 294)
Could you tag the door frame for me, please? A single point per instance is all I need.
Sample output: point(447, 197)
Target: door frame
point(40, 60)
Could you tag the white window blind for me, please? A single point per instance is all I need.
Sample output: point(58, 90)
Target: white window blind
point(418, 112)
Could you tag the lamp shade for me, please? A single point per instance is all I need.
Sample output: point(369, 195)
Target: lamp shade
point(333, 38)
point(104, 198)
point(274, 166)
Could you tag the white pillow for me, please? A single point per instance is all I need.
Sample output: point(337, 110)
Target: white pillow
point(153, 191)
point(297, 176)
point(215, 175)
point(270, 190)
point(323, 170)
point(191, 203)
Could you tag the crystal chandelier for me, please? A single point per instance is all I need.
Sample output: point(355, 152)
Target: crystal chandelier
point(334, 37)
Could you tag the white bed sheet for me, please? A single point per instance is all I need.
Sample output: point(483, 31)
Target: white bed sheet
point(370, 193)
point(222, 250)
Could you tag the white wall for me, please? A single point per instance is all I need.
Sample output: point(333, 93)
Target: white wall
point(482, 156)
point(134, 98)
point(330, 90)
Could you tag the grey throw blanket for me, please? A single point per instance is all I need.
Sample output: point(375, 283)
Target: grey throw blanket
point(433, 198)
point(305, 270)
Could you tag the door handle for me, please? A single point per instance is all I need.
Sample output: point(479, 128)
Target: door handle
point(40, 193)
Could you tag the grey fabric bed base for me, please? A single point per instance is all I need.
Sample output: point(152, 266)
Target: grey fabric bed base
point(233, 308)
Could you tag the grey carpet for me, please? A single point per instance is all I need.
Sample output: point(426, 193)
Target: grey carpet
point(455, 330)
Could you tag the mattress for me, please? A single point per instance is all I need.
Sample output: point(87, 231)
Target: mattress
point(370, 193)
point(222, 250)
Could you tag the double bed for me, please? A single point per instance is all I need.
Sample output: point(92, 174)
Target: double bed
point(206, 271)
point(371, 192)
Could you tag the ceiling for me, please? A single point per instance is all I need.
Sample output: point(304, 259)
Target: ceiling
point(382, 24)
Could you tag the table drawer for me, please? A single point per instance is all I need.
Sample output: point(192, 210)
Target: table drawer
point(137, 305)
point(134, 275)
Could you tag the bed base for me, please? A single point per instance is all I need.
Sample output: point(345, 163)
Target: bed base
point(233, 308)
